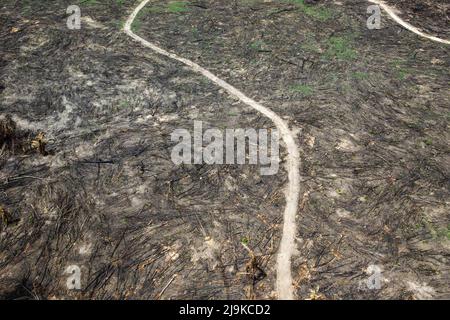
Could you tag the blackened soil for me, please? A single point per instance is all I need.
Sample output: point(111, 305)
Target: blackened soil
point(108, 198)
point(371, 112)
point(432, 16)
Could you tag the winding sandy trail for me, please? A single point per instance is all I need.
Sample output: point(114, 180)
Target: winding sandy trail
point(391, 12)
point(284, 286)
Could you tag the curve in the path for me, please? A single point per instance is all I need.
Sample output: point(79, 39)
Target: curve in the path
point(284, 285)
point(391, 12)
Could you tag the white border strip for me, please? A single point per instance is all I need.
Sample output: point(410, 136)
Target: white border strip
point(406, 25)
point(284, 285)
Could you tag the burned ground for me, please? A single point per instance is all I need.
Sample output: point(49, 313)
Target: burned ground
point(432, 16)
point(370, 108)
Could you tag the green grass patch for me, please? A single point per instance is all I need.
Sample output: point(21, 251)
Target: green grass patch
point(446, 232)
point(340, 48)
point(401, 69)
point(257, 45)
point(177, 7)
point(316, 12)
point(303, 89)
point(442, 233)
point(360, 75)
point(137, 23)
point(245, 241)
point(171, 7)
point(428, 141)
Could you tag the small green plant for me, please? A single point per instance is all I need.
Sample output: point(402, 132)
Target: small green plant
point(317, 13)
point(360, 75)
point(402, 74)
point(256, 45)
point(340, 48)
point(195, 32)
point(428, 141)
point(303, 89)
point(137, 23)
point(444, 233)
point(400, 69)
point(124, 104)
point(177, 7)
point(436, 234)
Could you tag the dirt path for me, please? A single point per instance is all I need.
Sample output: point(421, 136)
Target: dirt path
point(284, 276)
point(405, 24)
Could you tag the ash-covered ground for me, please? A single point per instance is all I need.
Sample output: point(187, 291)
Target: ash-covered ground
point(86, 177)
